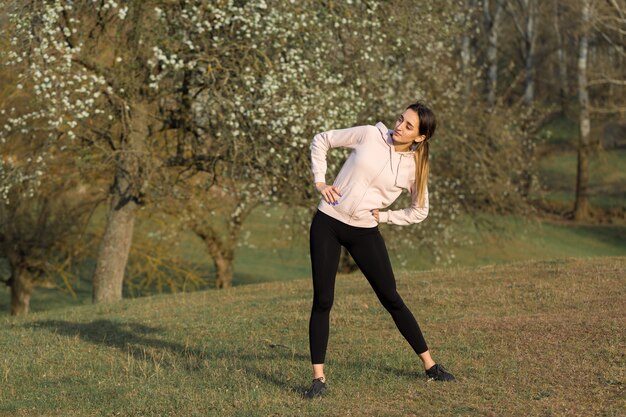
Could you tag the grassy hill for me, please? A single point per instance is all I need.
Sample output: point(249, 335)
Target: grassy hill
point(266, 262)
point(558, 143)
point(540, 338)
point(287, 258)
point(607, 182)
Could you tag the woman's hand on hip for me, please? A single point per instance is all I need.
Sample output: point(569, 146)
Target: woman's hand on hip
point(330, 193)
point(375, 214)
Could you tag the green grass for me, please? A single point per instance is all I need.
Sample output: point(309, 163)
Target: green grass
point(557, 169)
point(262, 259)
point(526, 339)
point(607, 180)
point(526, 240)
point(269, 259)
point(266, 262)
point(560, 132)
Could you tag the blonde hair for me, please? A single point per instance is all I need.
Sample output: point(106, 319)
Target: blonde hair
point(427, 125)
point(421, 171)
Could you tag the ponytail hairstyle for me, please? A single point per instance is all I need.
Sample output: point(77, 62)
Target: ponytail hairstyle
point(427, 125)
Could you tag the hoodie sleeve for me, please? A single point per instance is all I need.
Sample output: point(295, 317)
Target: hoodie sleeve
point(410, 215)
point(322, 142)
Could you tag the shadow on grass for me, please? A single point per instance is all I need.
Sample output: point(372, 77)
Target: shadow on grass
point(138, 340)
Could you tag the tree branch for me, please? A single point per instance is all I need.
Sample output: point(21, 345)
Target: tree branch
point(511, 13)
point(606, 81)
point(617, 8)
point(177, 161)
point(607, 110)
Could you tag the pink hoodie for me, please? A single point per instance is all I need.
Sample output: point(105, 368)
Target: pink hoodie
point(372, 177)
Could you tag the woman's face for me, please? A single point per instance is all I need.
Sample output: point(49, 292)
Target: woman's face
point(406, 130)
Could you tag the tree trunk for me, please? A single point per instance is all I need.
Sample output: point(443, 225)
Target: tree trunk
point(224, 270)
point(465, 60)
point(581, 210)
point(529, 94)
point(222, 247)
point(562, 63)
point(114, 249)
point(466, 50)
point(126, 192)
point(222, 252)
point(492, 24)
point(531, 40)
point(21, 289)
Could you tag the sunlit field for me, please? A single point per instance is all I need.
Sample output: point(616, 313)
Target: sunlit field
point(525, 339)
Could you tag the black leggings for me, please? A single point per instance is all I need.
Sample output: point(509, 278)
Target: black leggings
point(367, 247)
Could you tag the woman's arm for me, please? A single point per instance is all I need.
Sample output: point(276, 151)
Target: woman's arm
point(322, 142)
point(409, 215)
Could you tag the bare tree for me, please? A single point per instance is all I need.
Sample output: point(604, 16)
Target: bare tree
point(214, 208)
point(43, 220)
point(531, 42)
point(600, 42)
point(581, 210)
point(492, 21)
point(524, 16)
point(561, 55)
point(467, 18)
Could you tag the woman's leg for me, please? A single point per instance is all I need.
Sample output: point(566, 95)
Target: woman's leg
point(370, 254)
point(325, 252)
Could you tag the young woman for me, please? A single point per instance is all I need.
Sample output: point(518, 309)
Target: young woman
point(382, 163)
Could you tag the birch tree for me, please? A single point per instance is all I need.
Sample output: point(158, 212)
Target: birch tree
point(467, 17)
point(492, 21)
point(581, 210)
point(561, 59)
point(524, 16)
point(601, 31)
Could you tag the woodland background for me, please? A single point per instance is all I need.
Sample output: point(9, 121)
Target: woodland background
point(156, 195)
point(163, 146)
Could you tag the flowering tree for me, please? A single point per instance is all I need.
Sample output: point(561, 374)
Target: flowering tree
point(287, 89)
point(238, 89)
point(475, 155)
point(478, 163)
point(93, 94)
point(44, 208)
point(158, 84)
point(383, 61)
point(45, 202)
point(214, 208)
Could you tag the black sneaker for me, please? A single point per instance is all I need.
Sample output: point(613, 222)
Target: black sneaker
point(318, 388)
point(438, 373)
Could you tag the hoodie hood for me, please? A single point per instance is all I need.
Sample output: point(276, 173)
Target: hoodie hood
point(386, 135)
point(394, 157)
